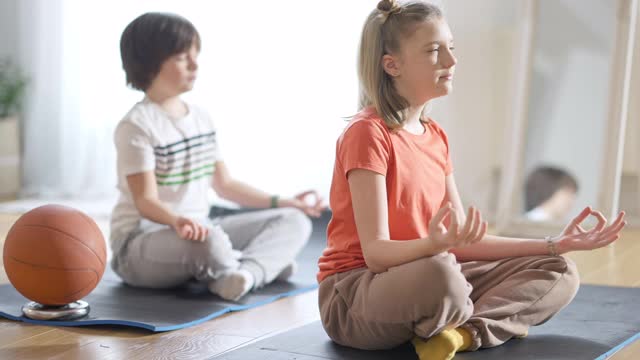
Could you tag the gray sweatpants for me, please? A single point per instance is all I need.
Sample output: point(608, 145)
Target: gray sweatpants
point(493, 300)
point(262, 242)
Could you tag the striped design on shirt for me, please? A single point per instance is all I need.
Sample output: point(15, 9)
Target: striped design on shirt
point(186, 160)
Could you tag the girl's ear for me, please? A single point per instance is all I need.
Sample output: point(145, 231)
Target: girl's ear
point(390, 65)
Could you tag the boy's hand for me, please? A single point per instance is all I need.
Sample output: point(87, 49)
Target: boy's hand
point(189, 229)
point(314, 208)
point(473, 230)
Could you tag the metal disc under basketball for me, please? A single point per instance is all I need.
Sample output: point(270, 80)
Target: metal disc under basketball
point(71, 311)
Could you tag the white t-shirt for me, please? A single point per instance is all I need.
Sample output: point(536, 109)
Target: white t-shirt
point(537, 214)
point(181, 152)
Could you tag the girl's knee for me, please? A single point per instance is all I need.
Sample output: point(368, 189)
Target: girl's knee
point(440, 277)
point(444, 293)
point(564, 266)
point(570, 277)
point(446, 275)
point(566, 280)
point(449, 283)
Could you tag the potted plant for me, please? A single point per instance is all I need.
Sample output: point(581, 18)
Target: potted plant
point(12, 86)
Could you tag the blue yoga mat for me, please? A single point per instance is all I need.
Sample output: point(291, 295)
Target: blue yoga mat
point(114, 303)
point(600, 321)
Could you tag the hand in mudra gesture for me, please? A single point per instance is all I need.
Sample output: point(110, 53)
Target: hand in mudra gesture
point(575, 237)
point(456, 235)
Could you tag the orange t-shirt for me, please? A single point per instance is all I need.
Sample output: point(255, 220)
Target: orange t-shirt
point(414, 166)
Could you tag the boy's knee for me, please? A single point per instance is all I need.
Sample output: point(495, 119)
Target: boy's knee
point(299, 222)
point(217, 238)
point(217, 247)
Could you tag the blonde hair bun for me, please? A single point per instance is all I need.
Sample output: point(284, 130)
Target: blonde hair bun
point(387, 5)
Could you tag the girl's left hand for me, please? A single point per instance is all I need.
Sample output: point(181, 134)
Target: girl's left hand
point(574, 237)
point(299, 202)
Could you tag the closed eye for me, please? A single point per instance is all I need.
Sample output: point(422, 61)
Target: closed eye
point(436, 50)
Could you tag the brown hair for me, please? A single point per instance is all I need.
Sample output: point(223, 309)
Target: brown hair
point(151, 39)
point(543, 182)
point(383, 30)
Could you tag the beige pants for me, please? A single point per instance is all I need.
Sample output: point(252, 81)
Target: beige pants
point(494, 300)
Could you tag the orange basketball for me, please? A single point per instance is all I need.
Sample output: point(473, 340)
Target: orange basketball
point(54, 255)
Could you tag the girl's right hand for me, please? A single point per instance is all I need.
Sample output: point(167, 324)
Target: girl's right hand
point(189, 229)
point(446, 238)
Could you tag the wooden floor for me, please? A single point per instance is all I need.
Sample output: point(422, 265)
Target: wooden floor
point(616, 265)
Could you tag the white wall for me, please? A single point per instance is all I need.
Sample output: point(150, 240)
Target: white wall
point(631, 161)
point(475, 114)
point(569, 100)
point(8, 38)
point(277, 84)
point(630, 182)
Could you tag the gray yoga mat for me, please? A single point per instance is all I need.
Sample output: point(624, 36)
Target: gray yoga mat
point(600, 321)
point(114, 303)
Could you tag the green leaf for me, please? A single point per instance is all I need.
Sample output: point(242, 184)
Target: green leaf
point(12, 87)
